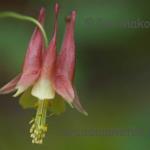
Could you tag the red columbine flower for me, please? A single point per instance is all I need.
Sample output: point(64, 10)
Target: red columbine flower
point(45, 73)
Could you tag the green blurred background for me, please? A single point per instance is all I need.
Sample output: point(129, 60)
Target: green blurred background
point(112, 76)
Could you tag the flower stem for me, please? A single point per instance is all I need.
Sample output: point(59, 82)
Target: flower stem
point(26, 18)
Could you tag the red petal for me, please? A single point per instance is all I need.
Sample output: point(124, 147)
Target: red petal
point(33, 59)
point(10, 87)
point(66, 62)
point(50, 55)
point(77, 104)
point(47, 69)
point(64, 88)
point(66, 59)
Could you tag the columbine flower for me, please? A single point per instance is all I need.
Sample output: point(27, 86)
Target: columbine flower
point(46, 74)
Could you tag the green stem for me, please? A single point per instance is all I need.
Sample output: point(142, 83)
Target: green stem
point(26, 18)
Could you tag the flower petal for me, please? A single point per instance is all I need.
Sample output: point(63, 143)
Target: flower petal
point(50, 55)
point(66, 59)
point(77, 104)
point(43, 88)
point(33, 59)
point(10, 87)
point(63, 87)
point(66, 62)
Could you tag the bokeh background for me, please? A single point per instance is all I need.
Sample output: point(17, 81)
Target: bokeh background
point(112, 76)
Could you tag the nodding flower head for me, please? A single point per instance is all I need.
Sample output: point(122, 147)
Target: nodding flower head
point(47, 76)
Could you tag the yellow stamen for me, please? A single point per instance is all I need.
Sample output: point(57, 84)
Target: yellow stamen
point(39, 127)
